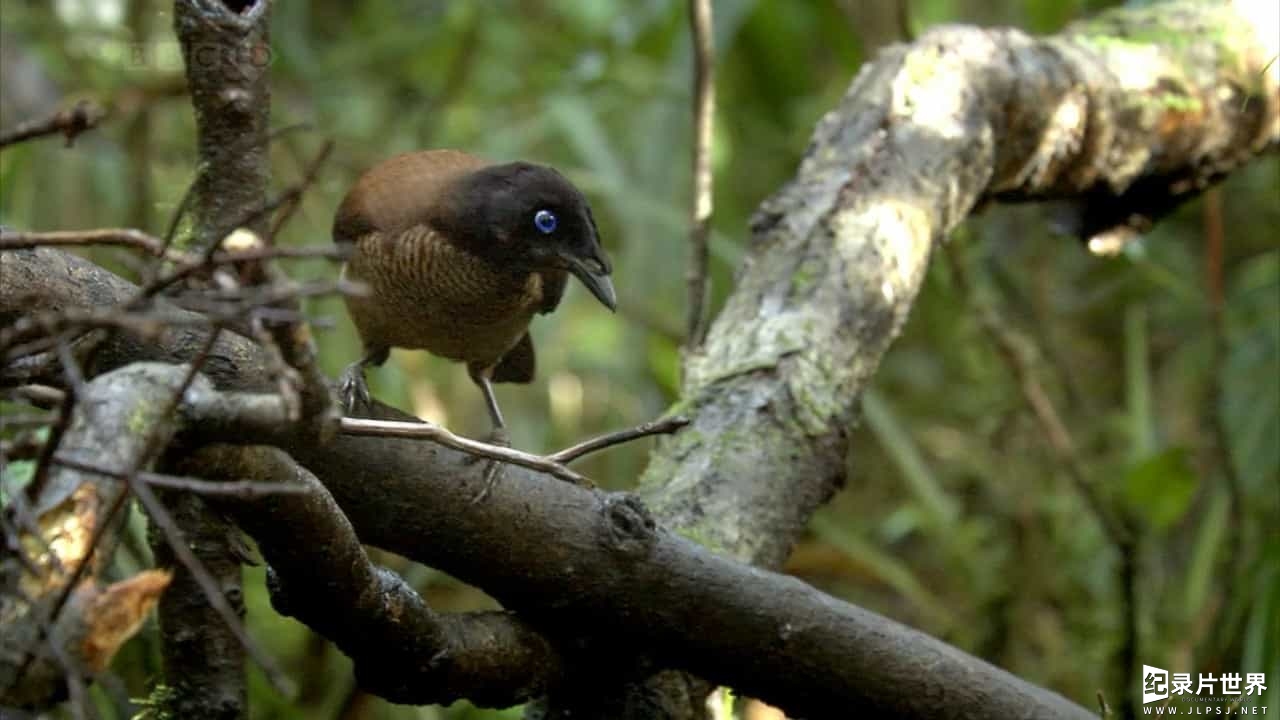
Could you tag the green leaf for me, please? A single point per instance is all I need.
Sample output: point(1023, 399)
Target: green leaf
point(1160, 487)
point(1205, 553)
point(16, 476)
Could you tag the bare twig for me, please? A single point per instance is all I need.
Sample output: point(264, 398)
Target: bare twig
point(554, 464)
point(1215, 241)
point(157, 247)
point(442, 436)
point(243, 489)
point(703, 124)
point(201, 265)
point(292, 196)
point(83, 116)
point(661, 426)
point(42, 396)
point(123, 237)
point(1042, 408)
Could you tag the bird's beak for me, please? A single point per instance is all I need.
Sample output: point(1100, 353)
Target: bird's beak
point(594, 273)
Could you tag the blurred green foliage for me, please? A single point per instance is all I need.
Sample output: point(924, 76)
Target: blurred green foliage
point(957, 518)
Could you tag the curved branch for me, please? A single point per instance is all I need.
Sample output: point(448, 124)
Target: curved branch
point(925, 134)
point(402, 650)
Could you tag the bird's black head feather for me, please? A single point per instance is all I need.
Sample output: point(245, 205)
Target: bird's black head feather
point(494, 212)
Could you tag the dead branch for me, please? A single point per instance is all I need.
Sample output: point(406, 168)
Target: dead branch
point(661, 426)
point(84, 115)
point(702, 31)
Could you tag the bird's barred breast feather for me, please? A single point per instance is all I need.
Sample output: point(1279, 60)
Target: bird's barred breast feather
point(427, 293)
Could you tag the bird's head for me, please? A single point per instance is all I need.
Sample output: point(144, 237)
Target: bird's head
point(529, 218)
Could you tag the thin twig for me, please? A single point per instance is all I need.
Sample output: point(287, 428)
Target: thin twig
point(1042, 408)
point(156, 247)
point(171, 231)
point(245, 489)
point(292, 197)
point(53, 322)
point(441, 436)
point(661, 426)
point(703, 124)
point(56, 431)
point(286, 200)
point(121, 237)
point(42, 396)
point(70, 122)
point(1215, 241)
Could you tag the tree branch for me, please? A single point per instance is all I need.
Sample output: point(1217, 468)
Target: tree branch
point(402, 650)
point(83, 116)
point(702, 32)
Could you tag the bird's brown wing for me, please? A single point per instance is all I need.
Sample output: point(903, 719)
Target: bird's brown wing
point(399, 193)
point(518, 365)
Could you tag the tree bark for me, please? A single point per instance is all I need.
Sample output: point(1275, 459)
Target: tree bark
point(225, 50)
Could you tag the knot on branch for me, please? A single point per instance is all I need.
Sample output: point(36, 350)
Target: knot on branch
point(629, 527)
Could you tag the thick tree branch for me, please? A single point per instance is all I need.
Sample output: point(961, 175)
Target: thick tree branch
point(321, 575)
point(924, 135)
point(225, 49)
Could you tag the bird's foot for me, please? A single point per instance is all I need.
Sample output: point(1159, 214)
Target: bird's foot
point(492, 468)
point(498, 436)
point(352, 388)
point(492, 474)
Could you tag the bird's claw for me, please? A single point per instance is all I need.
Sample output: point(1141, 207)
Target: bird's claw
point(353, 389)
point(492, 468)
point(492, 473)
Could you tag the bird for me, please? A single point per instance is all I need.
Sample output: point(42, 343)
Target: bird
point(458, 254)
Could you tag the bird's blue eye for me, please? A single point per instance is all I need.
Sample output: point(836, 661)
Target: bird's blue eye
point(545, 221)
